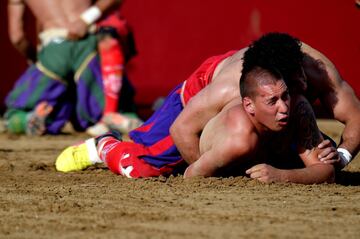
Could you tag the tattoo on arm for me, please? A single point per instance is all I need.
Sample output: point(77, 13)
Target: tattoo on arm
point(307, 131)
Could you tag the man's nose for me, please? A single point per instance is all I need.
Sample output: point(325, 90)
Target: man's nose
point(283, 107)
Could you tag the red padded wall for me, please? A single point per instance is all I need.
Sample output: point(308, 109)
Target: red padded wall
point(174, 37)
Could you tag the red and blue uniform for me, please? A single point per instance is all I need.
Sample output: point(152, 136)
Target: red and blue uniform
point(153, 152)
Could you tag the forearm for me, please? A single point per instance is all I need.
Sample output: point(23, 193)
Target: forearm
point(96, 11)
point(187, 143)
point(350, 139)
point(206, 166)
point(26, 49)
point(195, 170)
point(188, 148)
point(105, 5)
point(347, 111)
point(317, 173)
point(16, 9)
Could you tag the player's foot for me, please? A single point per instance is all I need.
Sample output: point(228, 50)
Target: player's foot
point(36, 119)
point(97, 129)
point(124, 124)
point(78, 157)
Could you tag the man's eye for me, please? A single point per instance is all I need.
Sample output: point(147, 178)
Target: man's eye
point(271, 102)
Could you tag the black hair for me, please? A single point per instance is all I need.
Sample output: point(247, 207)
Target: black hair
point(276, 53)
point(256, 77)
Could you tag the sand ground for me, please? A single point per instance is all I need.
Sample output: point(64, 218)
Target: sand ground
point(38, 202)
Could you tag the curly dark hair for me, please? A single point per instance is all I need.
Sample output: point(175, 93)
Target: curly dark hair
point(276, 53)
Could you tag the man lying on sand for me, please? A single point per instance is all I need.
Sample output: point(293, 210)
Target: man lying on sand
point(206, 93)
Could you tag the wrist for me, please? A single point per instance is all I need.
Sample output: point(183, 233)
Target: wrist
point(283, 176)
point(345, 156)
point(91, 15)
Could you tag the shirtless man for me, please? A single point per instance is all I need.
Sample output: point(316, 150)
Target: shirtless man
point(308, 70)
point(245, 131)
point(152, 145)
point(62, 88)
point(259, 129)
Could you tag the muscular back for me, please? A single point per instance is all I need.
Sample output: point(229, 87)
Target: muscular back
point(321, 75)
point(335, 94)
point(224, 87)
point(202, 107)
point(228, 73)
point(57, 13)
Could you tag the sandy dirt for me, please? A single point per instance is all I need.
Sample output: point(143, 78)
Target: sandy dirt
point(38, 202)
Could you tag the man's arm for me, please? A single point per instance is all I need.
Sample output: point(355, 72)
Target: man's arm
point(106, 5)
point(80, 26)
point(339, 99)
point(309, 175)
point(346, 109)
point(187, 127)
point(16, 10)
point(308, 137)
point(233, 149)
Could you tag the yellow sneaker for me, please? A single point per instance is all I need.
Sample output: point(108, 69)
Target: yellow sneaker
point(78, 157)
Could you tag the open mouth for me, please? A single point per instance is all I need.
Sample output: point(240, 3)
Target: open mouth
point(283, 121)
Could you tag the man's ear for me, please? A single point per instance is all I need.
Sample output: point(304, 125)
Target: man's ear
point(248, 105)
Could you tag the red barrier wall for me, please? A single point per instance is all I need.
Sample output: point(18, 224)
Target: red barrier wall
point(174, 37)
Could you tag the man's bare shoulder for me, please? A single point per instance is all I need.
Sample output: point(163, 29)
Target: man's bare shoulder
point(318, 68)
point(240, 136)
point(238, 125)
point(230, 68)
point(232, 127)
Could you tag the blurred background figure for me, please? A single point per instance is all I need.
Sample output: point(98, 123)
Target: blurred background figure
point(66, 83)
point(116, 47)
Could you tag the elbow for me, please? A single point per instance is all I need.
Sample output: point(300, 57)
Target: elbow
point(175, 131)
point(329, 174)
point(188, 172)
point(322, 173)
point(172, 130)
point(16, 40)
point(198, 169)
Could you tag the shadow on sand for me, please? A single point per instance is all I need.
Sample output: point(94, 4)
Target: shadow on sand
point(348, 178)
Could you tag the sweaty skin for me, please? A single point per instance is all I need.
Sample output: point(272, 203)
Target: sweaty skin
point(234, 138)
point(335, 94)
point(322, 81)
point(57, 14)
point(229, 137)
point(223, 88)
